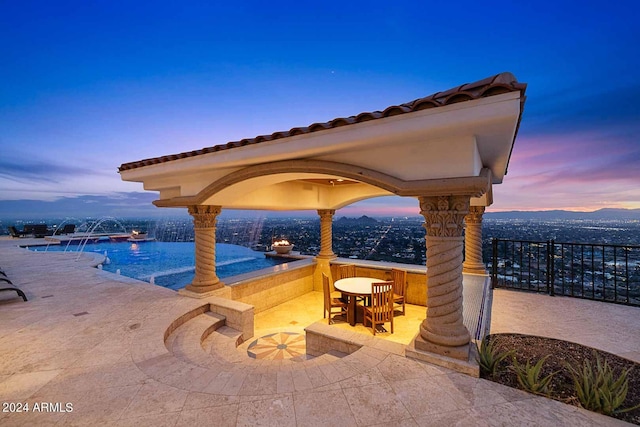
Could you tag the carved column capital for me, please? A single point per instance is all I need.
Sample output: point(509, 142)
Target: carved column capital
point(473, 241)
point(204, 216)
point(326, 214)
point(475, 215)
point(444, 215)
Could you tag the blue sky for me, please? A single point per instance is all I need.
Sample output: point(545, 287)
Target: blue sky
point(87, 86)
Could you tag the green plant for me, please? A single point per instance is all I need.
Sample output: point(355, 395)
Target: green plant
point(488, 357)
point(597, 388)
point(529, 377)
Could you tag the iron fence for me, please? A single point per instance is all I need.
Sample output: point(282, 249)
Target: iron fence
point(600, 272)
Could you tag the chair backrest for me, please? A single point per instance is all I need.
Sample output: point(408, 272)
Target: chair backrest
point(14, 231)
point(382, 301)
point(346, 270)
point(40, 230)
point(326, 289)
point(68, 228)
point(399, 278)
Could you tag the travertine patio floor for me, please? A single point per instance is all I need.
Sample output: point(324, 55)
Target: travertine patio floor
point(78, 338)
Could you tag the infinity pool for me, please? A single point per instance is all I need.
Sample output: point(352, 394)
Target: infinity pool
point(170, 264)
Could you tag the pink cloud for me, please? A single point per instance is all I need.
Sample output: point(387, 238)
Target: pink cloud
point(579, 171)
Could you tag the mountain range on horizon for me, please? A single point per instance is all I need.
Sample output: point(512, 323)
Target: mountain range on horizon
point(359, 220)
point(610, 214)
point(600, 214)
point(556, 214)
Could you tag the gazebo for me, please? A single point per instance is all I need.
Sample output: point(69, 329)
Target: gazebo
point(446, 150)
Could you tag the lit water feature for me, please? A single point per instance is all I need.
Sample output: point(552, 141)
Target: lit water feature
point(171, 264)
point(89, 231)
point(93, 230)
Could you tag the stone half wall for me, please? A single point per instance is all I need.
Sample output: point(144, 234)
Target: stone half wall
point(269, 288)
point(416, 291)
point(267, 291)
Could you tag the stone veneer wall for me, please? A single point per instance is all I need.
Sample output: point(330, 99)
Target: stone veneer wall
point(416, 292)
point(264, 291)
point(274, 289)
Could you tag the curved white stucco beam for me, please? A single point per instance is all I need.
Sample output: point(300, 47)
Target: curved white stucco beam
point(228, 188)
point(291, 194)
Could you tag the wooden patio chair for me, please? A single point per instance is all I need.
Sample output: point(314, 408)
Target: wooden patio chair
point(381, 309)
point(399, 278)
point(331, 303)
point(346, 270)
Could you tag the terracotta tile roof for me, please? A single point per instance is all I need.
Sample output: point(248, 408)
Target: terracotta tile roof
point(495, 85)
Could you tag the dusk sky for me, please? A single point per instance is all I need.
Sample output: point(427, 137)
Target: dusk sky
point(87, 86)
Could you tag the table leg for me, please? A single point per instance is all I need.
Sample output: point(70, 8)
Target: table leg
point(351, 311)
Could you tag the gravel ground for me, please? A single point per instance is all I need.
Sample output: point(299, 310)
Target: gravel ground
point(533, 348)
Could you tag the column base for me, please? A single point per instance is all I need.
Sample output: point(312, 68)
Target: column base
point(474, 268)
point(323, 265)
point(420, 349)
point(201, 291)
point(459, 352)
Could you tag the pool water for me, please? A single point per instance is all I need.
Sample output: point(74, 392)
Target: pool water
point(171, 264)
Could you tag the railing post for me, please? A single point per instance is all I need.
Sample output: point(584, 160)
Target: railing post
point(551, 267)
point(547, 274)
point(494, 262)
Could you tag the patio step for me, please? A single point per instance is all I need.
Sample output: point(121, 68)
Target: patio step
point(205, 341)
point(200, 353)
point(330, 357)
point(222, 344)
point(185, 343)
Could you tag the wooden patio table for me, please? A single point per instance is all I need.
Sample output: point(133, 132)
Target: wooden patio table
point(354, 287)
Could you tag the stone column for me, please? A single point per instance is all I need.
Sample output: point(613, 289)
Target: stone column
point(326, 233)
point(323, 259)
point(443, 332)
point(473, 241)
point(204, 222)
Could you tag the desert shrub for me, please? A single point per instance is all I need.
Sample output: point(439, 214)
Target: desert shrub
point(529, 376)
point(598, 389)
point(489, 357)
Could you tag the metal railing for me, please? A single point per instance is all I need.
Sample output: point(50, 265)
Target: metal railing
point(600, 272)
